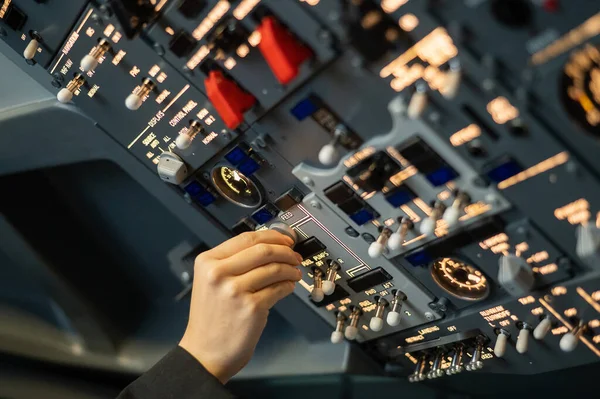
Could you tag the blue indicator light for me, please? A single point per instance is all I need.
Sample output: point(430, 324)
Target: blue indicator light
point(304, 109)
point(363, 216)
point(419, 258)
point(441, 176)
point(194, 188)
point(504, 171)
point(248, 167)
point(264, 214)
point(399, 197)
point(236, 156)
point(205, 199)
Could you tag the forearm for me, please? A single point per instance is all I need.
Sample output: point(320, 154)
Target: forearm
point(177, 375)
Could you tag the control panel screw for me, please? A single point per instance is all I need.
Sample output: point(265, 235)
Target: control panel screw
point(226, 134)
point(488, 84)
point(187, 71)
point(565, 264)
point(185, 277)
point(187, 198)
point(435, 118)
point(308, 181)
point(429, 316)
point(260, 142)
point(315, 204)
point(571, 167)
point(159, 49)
point(56, 83)
point(325, 36)
point(105, 11)
point(206, 176)
point(480, 182)
point(333, 16)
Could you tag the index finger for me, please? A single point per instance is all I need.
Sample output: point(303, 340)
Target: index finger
point(247, 240)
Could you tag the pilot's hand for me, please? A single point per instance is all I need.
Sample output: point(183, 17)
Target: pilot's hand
point(235, 285)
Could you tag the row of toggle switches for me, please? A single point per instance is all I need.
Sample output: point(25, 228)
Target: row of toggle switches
point(348, 326)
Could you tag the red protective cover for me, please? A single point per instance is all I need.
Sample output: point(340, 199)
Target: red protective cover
point(228, 98)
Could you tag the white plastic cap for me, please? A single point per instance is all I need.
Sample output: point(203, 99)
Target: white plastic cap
point(64, 96)
point(183, 141)
point(328, 287)
point(522, 341)
point(417, 104)
point(395, 242)
point(31, 49)
point(376, 249)
point(351, 333)
point(393, 318)
point(568, 342)
point(451, 215)
point(317, 294)
point(376, 324)
point(88, 63)
point(500, 347)
point(542, 329)
point(427, 226)
point(337, 337)
point(451, 84)
point(133, 102)
point(328, 155)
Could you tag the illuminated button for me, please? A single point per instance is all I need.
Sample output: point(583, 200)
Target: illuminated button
point(588, 243)
point(456, 365)
point(394, 316)
point(452, 213)
point(337, 335)
point(90, 61)
point(569, 341)
point(397, 238)
point(285, 230)
point(351, 331)
point(501, 340)
point(515, 275)
point(317, 294)
point(333, 268)
point(376, 322)
point(377, 248)
point(427, 226)
point(171, 168)
point(282, 51)
point(185, 138)
point(135, 100)
point(229, 99)
point(66, 94)
point(329, 154)
point(32, 48)
point(452, 81)
point(523, 338)
point(543, 328)
point(418, 102)
point(419, 373)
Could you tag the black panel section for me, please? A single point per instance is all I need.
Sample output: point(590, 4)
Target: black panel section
point(228, 36)
point(338, 193)
point(337, 295)
point(182, 44)
point(372, 174)
point(133, 15)
point(369, 279)
point(289, 199)
point(191, 8)
point(243, 226)
point(309, 247)
point(15, 18)
point(352, 205)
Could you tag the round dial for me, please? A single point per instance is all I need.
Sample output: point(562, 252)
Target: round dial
point(235, 187)
point(460, 279)
point(581, 88)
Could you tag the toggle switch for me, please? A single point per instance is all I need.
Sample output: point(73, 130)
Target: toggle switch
point(428, 225)
point(185, 138)
point(569, 341)
point(33, 46)
point(452, 213)
point(452, 81)
point(501, 340)
point(456, 365)
point(135, 100)
point(419, 373)
point(282, 51)
point(543, 328)
point(351, 331)
point(287, 231)
point(523, 337)
point(418, 101)
point(171, 168)
point(515, 275)
point(475, 363)
point(333, 267)
point(397, 238)
point(329, 153)
point(394, 316)
point(66, 93)
point(588, 244)
point(229, 99)
point(317, 294)
point(436, 368)
point(376, 322)
point(90, 61)
point(377, 248)
point(337, 335)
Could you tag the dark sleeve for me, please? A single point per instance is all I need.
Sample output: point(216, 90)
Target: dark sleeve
point(177, 375)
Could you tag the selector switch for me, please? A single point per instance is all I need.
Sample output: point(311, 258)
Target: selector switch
point(338, 335)
point(285, 230)
point(376, 322)
point(66, 93)
point(543, 328)
point(501, 340)
point(428, 225)
point(352, 330)
point(282, 51)
point(171, 168)
point(394, 316)
point(317, 293)
point(333, 268)
point(135, 100)
point(515, 275)
point(185, 138)
point(229, 99)
point(90, 61)
point(377, 248)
